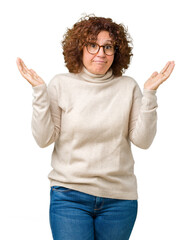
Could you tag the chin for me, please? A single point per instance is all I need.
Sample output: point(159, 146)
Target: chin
point(99, 71)
point(97, 68)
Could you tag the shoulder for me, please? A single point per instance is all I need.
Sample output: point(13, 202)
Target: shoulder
point(131, 86)
point(129, 81)
point(59, 78)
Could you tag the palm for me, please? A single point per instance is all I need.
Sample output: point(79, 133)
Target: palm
point(157, 78)
point(29, 74)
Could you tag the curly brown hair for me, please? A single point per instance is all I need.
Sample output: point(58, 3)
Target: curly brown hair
point(87, 28)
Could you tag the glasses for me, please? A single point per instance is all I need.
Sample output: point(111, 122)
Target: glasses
point(94, 48)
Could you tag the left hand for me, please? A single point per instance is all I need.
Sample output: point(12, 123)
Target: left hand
point(157, 78)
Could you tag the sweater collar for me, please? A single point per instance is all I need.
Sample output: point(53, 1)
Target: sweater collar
point(96, 78)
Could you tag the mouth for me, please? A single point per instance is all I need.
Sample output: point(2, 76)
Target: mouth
point(99, 62)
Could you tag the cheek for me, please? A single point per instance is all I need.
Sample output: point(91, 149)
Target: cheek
point(110, 60)
point(86, 57)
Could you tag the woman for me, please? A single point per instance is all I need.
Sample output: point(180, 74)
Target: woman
point(93, 113)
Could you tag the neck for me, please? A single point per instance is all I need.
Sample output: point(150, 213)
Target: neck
point(96, 78)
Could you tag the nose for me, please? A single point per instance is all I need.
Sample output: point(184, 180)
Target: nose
point(101, 52)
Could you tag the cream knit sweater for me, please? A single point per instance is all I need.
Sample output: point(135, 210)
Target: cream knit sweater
point(93, 119)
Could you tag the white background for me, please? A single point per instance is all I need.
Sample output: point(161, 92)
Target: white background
point(33, 30)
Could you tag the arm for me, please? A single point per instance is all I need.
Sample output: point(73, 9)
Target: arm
point(46, 114)
point(143, 118)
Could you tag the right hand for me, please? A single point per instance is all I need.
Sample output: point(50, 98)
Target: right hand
point(29, 74)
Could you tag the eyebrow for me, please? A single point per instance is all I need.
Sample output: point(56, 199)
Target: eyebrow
point(110, 41)
point(106, 41)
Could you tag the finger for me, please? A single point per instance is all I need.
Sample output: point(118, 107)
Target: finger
point(21, 66)
point(36, 77)
point(169, 70)
point(154, 74)
point(33, 72)
point(29, 74)
point(25, 69)
point(171, 67)
point(19, 63)
point(165, 68)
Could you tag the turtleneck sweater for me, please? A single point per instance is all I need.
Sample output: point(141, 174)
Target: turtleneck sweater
point(92, 121)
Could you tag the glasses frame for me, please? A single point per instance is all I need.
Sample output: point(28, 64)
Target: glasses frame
point(99, 48)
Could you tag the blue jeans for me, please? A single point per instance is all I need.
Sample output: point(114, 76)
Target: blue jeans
point(76, 215)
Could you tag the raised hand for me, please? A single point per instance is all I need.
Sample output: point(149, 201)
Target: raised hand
point(29, 74)
point(157, 78)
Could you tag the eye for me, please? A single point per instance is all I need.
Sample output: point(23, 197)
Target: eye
point(108, 47)
point(93, 45)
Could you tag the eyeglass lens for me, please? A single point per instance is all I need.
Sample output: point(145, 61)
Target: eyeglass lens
point(94, 48)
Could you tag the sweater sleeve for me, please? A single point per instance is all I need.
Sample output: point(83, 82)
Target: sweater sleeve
point(143, 118)
point(46, 114)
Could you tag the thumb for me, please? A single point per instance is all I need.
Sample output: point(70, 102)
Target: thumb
point(154, 74)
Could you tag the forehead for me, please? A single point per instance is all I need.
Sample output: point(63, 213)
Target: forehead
point(103, 36)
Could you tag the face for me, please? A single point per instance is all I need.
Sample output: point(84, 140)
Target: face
point(98, 63)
